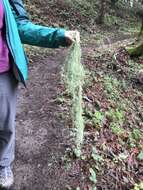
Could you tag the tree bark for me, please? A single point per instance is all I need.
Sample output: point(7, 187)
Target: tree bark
point(135, 51)
point(100, 18)
point(141, 31)
point(113, 3)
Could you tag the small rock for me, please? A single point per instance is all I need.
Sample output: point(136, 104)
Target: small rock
point(140, 76)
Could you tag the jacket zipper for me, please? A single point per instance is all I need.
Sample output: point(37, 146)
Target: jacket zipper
point(14, 7)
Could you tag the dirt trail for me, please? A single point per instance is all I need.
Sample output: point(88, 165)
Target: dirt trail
point(42, 135)
point(40, 143)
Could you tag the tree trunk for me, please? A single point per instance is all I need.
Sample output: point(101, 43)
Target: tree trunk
point(135, 51)
point(141, 31)
point(100, 18)
point(113, 3)
point(139, 13)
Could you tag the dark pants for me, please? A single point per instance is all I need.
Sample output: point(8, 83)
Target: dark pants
point(8, 96)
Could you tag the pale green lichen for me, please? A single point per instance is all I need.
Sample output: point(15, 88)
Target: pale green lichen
point(73, 76)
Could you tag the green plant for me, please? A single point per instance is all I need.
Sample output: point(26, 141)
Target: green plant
point(134, 137)
point(116, 121)
point(140, 156)
point(110, 19)
point(136, 134)
point(138, 186)
point(116, 116)
point(95, 155)
point(97, 118)
point(112, 87)
point(92, 176)
point(117, 129)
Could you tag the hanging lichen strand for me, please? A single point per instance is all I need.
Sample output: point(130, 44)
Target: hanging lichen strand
point(73, 76)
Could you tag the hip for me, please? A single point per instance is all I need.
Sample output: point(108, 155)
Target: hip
point(8, 83)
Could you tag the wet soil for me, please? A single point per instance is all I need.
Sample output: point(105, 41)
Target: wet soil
point(41, 135)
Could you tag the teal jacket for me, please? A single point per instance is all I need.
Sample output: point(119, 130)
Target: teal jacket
point(20, 30)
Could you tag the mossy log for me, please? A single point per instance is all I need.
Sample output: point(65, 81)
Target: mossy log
point(136, 50)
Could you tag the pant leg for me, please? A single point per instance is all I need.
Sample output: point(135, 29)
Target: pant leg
point(8, 96)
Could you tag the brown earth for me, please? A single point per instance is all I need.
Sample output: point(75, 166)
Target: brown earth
point(42, 136)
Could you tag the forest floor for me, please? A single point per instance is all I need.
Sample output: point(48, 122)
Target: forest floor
point(113, 115)
point(41, 134)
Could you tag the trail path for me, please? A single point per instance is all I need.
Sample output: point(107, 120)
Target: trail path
point(40, 143)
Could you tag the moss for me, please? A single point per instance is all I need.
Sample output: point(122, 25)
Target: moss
point(135, 51)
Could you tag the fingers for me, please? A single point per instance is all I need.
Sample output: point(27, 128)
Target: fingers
point(77, 36)
point(72, 36)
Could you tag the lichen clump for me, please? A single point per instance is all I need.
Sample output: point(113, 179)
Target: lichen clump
point(73, 76)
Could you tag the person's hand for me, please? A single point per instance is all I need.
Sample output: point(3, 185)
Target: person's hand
point(72, 36)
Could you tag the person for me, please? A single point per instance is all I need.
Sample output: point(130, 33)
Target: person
point(16, 29)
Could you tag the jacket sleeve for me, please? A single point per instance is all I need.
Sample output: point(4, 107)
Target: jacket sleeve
point(34, 34)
